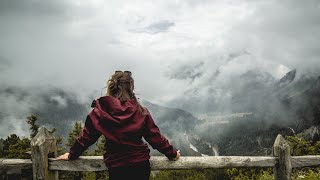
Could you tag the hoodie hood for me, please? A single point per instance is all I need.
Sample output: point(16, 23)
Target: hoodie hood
point(111, 109)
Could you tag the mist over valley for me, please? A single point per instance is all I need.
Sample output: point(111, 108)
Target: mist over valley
point(261, 108)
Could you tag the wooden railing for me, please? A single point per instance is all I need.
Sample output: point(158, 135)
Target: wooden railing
point(47, 168)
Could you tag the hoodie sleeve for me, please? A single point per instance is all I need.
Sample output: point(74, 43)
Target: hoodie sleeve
point(153, 136)
point(87, 137)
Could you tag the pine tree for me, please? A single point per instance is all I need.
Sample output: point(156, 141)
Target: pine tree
point(14, 147)
point(60, 147)
point(19, 149)
point(31, 120)
point(1, 147)
point(100, 149)
point(12, 139)
point(72, 136)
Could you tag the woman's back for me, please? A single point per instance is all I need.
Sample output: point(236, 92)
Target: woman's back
point(123, 125)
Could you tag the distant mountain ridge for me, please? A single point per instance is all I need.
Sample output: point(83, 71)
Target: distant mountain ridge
point(171, 119)
point(291, 104)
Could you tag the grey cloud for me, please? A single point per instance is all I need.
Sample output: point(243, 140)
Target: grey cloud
point(234, 55)
point(4, 64)
point(34, 7)
point(157, 27)
point(284, 32)
point(186, 71)
point(229, 57)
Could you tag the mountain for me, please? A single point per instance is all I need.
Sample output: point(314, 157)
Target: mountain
point(171, 120)
point(286, 80)
point(288, 106)
point(249, 89)
point(174, 123)
point(311, 134)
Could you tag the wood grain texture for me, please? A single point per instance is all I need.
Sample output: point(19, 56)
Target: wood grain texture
point(283, 167)
point(41, 145)
point(305, 161)
point(161, 163)
point(84, 163)
point(95, 163)
point(14, 166)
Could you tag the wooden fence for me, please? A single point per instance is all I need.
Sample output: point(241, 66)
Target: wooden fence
point(44, 144)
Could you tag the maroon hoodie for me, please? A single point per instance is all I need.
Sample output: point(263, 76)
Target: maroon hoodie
point(123, 127)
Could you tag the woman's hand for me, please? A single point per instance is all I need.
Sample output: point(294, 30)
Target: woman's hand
point(63, 157)
point(177, 157)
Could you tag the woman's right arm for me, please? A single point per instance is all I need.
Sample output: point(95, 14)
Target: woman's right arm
point(153, 136)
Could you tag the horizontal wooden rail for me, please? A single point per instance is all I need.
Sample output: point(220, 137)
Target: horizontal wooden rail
point(95, 163)
point(305, 161)
point(14, 166)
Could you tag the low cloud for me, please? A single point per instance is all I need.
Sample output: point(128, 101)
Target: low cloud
point(186, 71)
point(53, 107)
point(196, 56)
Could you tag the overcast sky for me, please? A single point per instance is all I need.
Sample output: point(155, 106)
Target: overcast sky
point(171, 46)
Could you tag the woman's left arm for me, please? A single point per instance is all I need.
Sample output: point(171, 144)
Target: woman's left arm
point(88, 136)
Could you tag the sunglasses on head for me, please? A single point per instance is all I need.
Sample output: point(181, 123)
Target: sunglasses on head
point(127, 72)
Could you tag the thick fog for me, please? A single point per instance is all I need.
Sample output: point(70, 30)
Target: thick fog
point(56, 55)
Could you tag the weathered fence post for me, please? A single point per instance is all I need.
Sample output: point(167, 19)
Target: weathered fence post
point(283, 168)
point(41, 145)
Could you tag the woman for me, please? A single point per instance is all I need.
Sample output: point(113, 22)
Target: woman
point(123, 121)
